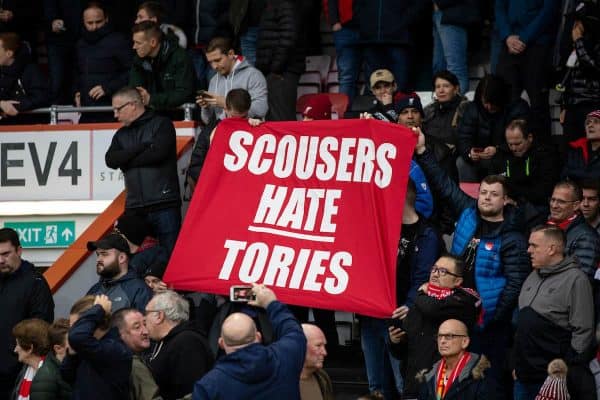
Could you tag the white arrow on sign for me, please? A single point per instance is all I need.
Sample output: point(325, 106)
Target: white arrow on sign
point(66, 234)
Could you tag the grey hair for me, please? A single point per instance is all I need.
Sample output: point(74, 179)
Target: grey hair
point(129, 93)
point(175, 307)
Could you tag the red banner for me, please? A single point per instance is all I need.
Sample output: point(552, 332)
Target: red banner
point(311, 209)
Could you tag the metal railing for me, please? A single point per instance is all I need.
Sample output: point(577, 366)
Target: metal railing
point(55, 110)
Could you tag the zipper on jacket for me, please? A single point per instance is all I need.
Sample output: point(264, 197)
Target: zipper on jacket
point(537, 291)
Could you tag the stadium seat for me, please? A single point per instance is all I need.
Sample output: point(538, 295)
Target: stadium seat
point(307, 88)
point(319, 64)
point(339, 104)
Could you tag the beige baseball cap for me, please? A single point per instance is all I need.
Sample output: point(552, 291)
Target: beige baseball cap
point(381, 75)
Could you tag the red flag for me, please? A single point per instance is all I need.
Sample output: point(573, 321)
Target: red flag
point(311, 209)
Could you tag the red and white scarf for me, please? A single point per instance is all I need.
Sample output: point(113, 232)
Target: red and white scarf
point(564, 224)
point(438, 292)
point(442, 385)
point(25, 387)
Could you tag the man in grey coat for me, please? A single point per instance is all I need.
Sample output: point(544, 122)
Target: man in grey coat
point(556, 318)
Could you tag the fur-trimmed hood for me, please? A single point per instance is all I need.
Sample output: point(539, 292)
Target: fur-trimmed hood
point(475, 367)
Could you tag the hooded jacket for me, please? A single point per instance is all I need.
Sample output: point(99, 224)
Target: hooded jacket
point(23, 294)
point(169, 77)
point(127, 291)
point(259, 372)
point(103, 58)
point(100, 369)
point(471, 384)
point(242, 76)
point(146, 152)
point(180, 359)
point(501, 261)
point(556, 319)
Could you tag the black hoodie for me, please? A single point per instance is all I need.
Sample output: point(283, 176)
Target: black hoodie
point(180, 359)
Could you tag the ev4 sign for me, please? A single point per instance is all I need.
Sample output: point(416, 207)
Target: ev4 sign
point(40, 234)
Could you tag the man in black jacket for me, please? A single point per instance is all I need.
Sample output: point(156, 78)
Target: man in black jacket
point(22, 85)
point(145, 150)
point(103, 63)
point(181, 354)
point(24, 293)
point(530, 167)
point(280, 56)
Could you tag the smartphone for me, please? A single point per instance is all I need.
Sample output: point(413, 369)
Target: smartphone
point(394, 322)
point(478, 149)
point(241, 294)
point(204, 94)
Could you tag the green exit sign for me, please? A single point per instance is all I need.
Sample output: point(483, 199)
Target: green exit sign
point(40, 234)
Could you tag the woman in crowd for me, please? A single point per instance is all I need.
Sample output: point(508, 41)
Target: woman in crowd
point(40, 377)
point(442, 118)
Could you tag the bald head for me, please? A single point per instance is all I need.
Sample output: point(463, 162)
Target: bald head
point(315, 349)
point(452, 338)
point(238, 330)
point(455, 326)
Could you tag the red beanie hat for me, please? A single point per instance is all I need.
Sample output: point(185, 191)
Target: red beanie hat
point(318, 107)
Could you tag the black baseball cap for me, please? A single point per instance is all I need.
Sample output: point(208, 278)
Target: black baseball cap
point(111, 241)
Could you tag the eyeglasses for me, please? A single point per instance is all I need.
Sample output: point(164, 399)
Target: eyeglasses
point(562, 202)
point(119, 108)
point(448, 336)
point(443, 271)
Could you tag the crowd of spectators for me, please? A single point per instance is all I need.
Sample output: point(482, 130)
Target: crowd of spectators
point(481, 314)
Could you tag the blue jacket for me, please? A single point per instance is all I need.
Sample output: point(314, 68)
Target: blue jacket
point(127, 291)
point(260, 372)
point(534, 21)
point(424, 203)
point(101, 368)
point(501, 262)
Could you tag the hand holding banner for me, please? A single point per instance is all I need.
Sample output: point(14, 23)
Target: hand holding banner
point(312, 209)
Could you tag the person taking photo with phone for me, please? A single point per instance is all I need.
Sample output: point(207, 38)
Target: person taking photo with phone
point(250, 370)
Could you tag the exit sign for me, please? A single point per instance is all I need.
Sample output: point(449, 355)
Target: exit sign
point(40, 234)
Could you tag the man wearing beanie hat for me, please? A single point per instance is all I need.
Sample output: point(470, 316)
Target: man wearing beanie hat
point(583, 156)
point(318, 107)
point(409, 109)
point(143, 246)
point(122, 286)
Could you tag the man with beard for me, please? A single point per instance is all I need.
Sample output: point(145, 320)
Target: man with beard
point(24, 293)
point(123, 287)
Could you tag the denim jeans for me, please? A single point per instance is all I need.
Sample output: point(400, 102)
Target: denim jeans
point(248, 44)
point(450, 50)
point(166, 224)
point(526, 391)
point(381, 366)
point(394, 58)
point(349, 58)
